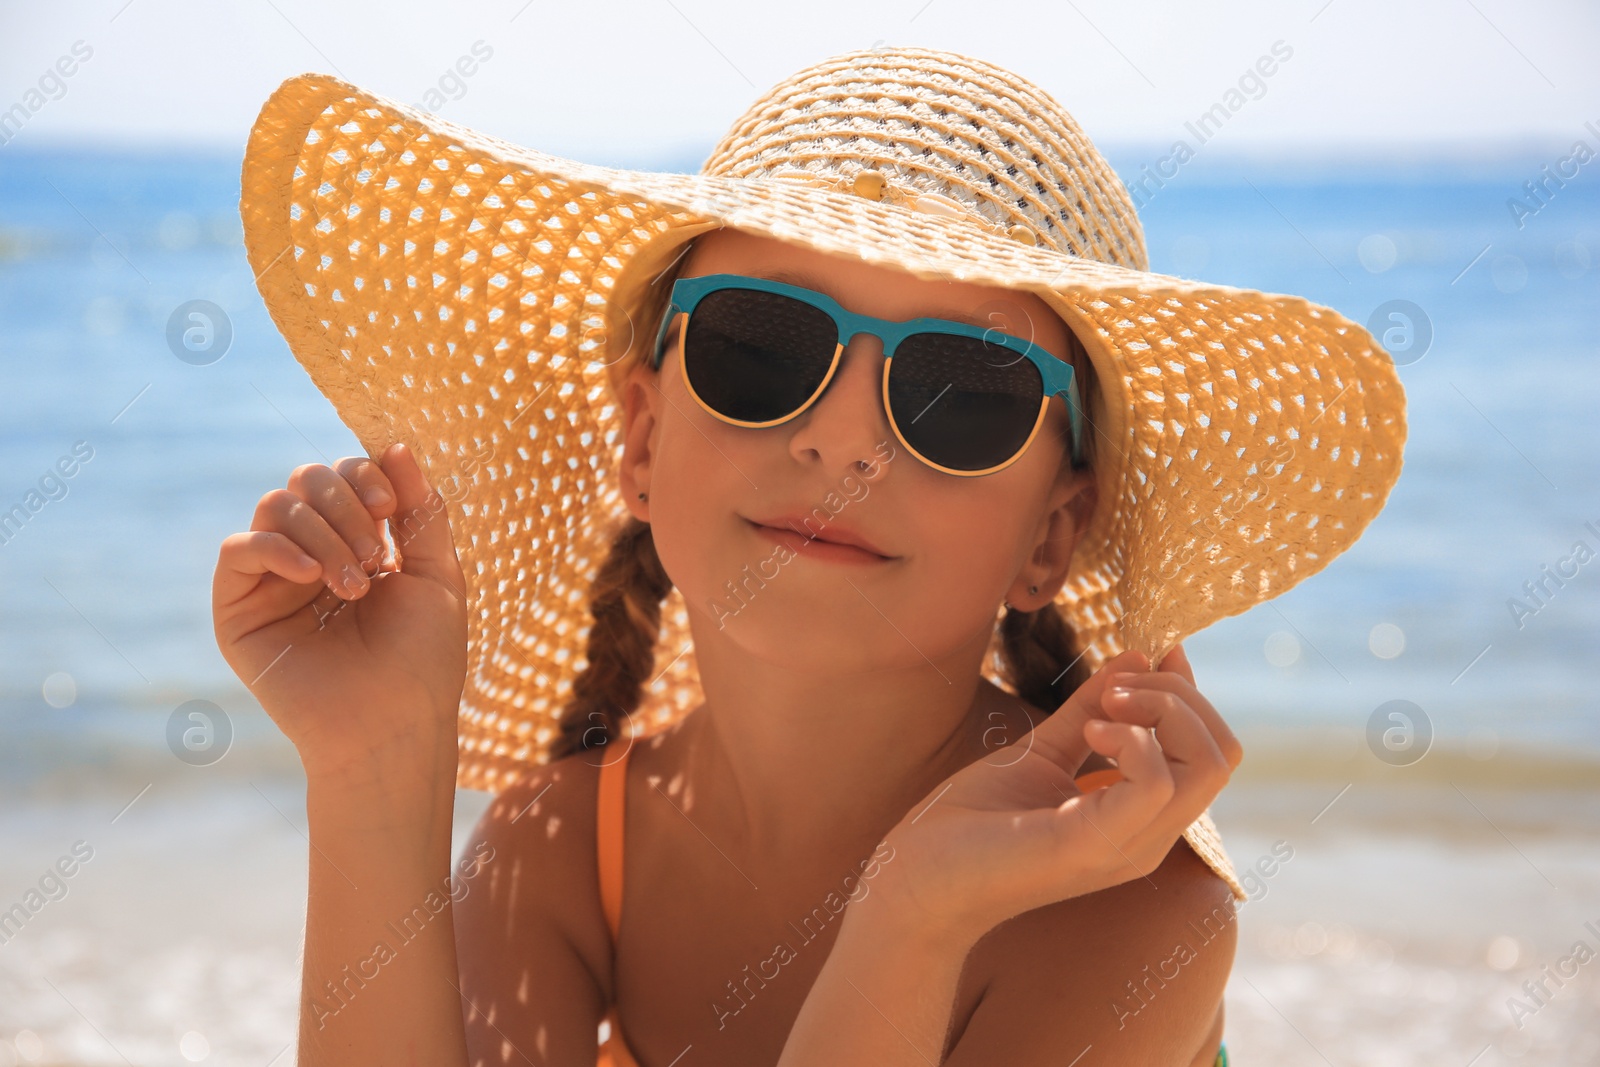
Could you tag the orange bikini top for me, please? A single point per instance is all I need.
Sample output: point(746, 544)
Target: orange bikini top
point(614, 1051)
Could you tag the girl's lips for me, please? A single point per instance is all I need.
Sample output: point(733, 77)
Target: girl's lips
point(813, 549)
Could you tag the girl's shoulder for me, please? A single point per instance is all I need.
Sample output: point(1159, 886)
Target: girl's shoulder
point(1112, 954)
point(532, 912)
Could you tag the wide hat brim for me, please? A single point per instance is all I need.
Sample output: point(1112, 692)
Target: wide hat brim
point(475, 299)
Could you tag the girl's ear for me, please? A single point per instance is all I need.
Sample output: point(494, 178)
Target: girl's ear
point(641, 399)
point(1082, 496)
point(1071, 505)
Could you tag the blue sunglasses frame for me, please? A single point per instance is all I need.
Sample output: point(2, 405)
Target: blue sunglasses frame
point(1056, 374)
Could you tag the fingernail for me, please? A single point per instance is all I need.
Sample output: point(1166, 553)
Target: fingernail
point(366, 548)
point(354, 580)
point(1124, 677)
point(376, 496)
point(1119, 691)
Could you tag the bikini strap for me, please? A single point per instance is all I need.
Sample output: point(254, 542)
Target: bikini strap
point(609, 813)
point(1093, 780)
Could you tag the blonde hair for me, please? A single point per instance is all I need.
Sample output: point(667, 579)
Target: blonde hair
point(1037, 657)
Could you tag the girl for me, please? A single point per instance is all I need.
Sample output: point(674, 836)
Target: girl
point(854, 847)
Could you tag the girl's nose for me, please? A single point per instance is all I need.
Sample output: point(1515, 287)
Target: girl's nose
point(847, 422)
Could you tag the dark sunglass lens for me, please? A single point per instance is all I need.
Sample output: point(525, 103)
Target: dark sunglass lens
point(962, 402)
point(756, 356)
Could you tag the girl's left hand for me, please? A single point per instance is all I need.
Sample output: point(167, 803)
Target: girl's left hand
point(1000, 838)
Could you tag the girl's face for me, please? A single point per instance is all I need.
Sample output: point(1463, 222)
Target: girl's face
point(957, 546)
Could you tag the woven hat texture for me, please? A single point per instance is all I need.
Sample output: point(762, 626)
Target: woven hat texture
point(480, 300)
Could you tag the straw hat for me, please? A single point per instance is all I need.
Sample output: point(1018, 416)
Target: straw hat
point(479, 300)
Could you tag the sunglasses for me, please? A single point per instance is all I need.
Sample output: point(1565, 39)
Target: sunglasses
point(964, 399)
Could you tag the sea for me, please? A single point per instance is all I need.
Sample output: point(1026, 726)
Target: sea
point(1421, 718)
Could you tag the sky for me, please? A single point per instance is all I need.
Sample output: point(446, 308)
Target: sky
point(657, 82)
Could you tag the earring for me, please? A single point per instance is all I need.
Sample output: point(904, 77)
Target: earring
point(1033, 589)
point(643, 497)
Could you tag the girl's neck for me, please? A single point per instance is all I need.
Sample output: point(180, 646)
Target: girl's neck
point(812, 777)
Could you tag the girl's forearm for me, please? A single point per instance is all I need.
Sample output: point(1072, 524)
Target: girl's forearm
point(379, 980)
point(883, 998)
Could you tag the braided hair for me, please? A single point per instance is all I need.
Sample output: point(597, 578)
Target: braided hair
point(1036, 658)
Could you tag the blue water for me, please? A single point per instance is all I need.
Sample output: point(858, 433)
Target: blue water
point(110, 585)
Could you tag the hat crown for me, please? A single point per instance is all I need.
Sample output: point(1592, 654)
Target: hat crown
point(948, 134)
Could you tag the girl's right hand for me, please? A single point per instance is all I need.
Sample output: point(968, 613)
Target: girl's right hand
point(347, 670)
point(994, 841)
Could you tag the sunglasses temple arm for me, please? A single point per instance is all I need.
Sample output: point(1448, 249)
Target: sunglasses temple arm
point(661, 334)
point(1075, 413)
